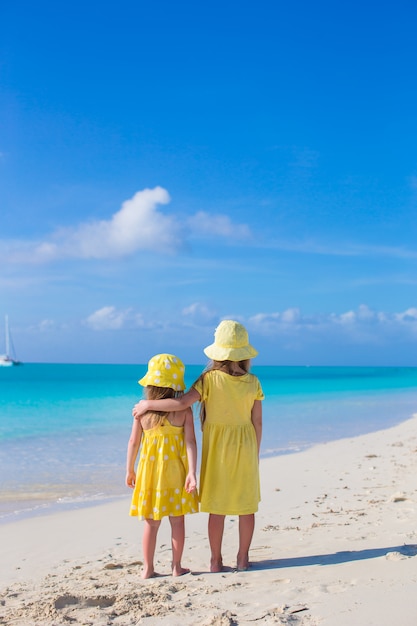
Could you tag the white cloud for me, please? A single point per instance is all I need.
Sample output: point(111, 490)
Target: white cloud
point(110, 318)
point(363, 314)
point(107, 318)
point(360, 325)
point(199, 312)
point(410, 315)
point(206, 224)
point(345, 318)
point(290, 316)
point(138, 225)
point(272, 320)
point(265, 318)
point(46, 325)
point(291, 331)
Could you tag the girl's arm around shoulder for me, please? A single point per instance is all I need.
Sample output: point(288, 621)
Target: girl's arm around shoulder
point(191, 446)
point(256, 417)
point(132, 452)
point(169, 404)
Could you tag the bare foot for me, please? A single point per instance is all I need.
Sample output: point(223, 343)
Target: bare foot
point(149, 573)
point(180, 571)
point(216, 566)
point(243, 563)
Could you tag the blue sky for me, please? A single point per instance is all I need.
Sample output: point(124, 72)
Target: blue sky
point(165, 165)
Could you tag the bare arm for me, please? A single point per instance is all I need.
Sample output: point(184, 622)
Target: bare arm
point(257, 421)
point(132, 452)
point(191, 446)
point(169, 404)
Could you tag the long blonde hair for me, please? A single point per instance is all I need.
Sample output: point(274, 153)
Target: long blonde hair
point(224, 366)
point(156, 418)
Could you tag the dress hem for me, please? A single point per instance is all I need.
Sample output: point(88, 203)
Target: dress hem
point(142, 518)
point(251, 512)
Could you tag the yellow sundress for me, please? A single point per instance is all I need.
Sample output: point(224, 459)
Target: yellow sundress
point(160, 476)
point(229, 480)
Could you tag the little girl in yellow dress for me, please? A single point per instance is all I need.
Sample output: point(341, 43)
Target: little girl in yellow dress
point(164, 483)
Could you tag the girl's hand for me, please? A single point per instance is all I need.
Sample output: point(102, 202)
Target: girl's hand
point(130, 479)
point(140, 409)
point(190, 483)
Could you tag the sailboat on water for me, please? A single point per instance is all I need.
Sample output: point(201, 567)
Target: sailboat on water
point(6, 360)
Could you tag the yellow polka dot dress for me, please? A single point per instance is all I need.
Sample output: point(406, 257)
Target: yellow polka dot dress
point(160, 477)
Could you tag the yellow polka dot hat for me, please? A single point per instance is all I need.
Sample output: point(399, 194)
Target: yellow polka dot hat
point(164, 370)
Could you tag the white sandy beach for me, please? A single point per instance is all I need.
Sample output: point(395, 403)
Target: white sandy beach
point(335, 544)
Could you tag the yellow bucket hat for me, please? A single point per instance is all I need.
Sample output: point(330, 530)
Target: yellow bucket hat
point(164, 370)
point(231, 343)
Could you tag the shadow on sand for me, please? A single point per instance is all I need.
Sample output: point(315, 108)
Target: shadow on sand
point(335, 558)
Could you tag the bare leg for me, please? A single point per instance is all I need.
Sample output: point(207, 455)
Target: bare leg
point(215, 533)
point(177, 543)
point(150, 533)
point(246, 528)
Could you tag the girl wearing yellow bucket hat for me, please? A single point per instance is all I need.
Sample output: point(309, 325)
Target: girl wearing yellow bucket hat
point(231, 412)
point(165, 481)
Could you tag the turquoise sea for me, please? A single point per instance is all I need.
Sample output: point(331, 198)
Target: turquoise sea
point(64, 428)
